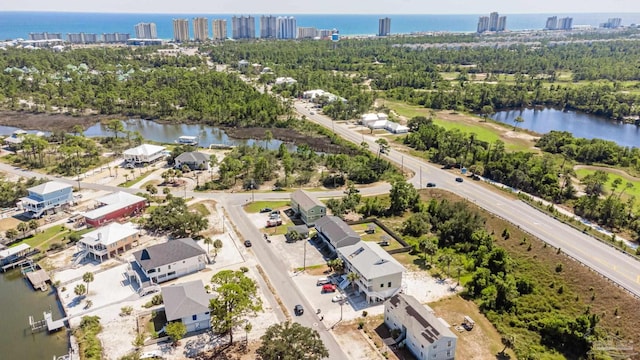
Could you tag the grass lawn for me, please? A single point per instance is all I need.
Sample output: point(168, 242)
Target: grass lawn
point(634, 191)
point(201, 208)
point(127, 184)
point(55, 234)
point(376, 236)
point(467, 124)
point(255, 206)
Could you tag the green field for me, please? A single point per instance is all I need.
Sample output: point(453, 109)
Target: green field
point(255, 206)
point(483, 131)
point(634, 191)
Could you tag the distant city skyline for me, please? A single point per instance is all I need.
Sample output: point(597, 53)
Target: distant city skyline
point(381, 7)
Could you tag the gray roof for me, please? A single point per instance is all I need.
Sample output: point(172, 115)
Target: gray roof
point(336, 231)
point(305, 200)
point(168, 253)
point(371, 260)
point(432, 327)
point(192, 156)
point(185, 300)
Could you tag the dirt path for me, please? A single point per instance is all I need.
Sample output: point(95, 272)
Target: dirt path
point(620, 172)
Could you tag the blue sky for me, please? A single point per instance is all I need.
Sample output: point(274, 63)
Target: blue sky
point(328, 6)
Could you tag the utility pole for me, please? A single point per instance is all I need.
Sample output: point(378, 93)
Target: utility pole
point(420, 187)
point(304, 257)
point(253, 185)
point(78, 177)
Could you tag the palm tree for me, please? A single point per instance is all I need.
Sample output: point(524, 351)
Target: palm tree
point(33, 224)
point(428, 247)
point(80, 289)
point(23, 227)
point(87, 278)
point(352, 277)
point(517, 121)
point(247, 330)
point(447, 259)
point(208, 242)
point(268, 136)
point(217, 245)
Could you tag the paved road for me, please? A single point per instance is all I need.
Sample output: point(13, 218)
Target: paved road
point(606, 260)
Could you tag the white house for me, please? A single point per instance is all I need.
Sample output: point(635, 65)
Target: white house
point(307, 207)
point(109, 240)
point(379, 274)
point(381, 121)
point(189, 303)
point(285, 81)
point(314, 95)
point(425, 335)
point(170, 260)
point(396, 128)
point(145, 153)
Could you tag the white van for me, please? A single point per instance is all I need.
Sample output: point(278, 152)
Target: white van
point(322, 281)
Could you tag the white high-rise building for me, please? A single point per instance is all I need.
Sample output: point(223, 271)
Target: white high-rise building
point(483, 24)
point(307, 32)
point(200, 29)
point(146, 31)
point(268, 27)
point(552, 23)
point(286, 27)
point(384, 26)
point(493, 21)
point(180, 30)
point(243, 27)
point(219, 29)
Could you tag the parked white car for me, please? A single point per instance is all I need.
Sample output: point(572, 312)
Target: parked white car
point(339, 298)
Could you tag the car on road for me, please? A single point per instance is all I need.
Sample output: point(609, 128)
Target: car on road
point(328, 288)
point(265, 210)
point(459, 179)
point(298, 310)
point(247, 243)
point(312, 113)
point(339, 298)
point(430, 184)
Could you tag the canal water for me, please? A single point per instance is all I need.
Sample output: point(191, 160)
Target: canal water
point(18, 301)
point(581, 125)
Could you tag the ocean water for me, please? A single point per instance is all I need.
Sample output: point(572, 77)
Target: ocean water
point(19, 24)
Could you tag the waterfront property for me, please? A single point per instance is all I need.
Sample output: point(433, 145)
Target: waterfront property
point(307, 207)
point(166, 261)
point(13, 254)
point(379, 274)
point(46, 198)
point(195, 160)
point(335, 232)
point(109, 240)
point(144, 154)
point(188, 303)
point(115, 206)
point(425, 335)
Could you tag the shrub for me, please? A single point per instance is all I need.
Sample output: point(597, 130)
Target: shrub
point(360, 325)
point(559, 268)
point(365, 313)
point(126, 310)
point(244, 269)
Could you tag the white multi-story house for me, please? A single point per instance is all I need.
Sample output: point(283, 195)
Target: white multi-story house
point(307, 207)
point(188, 303)
point(144, 154)
point(166, 261)
point(109, 240)
point(379, 274)
point(425, 335)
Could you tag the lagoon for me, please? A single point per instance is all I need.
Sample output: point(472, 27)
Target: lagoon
point(17, 302)
point(581, 125)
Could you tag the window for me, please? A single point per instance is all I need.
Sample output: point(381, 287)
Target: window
point(194, 317)
point(171, 273)
point(389, 285)
point(169, 267)
point(448, 352)
point(449, 343)
point(382, 285)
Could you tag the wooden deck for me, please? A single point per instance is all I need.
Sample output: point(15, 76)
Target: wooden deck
point(38, 279)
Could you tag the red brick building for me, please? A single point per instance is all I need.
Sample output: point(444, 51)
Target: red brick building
point(113, 207)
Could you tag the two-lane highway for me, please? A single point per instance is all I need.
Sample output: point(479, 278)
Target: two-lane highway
point(606, 260)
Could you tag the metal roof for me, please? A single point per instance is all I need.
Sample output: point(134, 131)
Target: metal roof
point(113, 202)
point(109, 234)
point(144, 149)
point(49, 187)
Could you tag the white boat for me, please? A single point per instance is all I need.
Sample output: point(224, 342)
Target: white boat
point(187, 140)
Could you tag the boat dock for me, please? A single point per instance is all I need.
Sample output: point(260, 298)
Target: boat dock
point(47, 323)
point(14, 264)
point(39, 279)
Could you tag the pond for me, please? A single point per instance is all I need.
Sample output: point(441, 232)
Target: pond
point(581, 125)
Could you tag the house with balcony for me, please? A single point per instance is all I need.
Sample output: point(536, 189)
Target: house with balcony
point(163, 262)
point(188, 303)
point(307, 207)
point(425, 335)
point(144, 154)
point(195, 160)
point(118, 205)
point(46, 198)
point(13, 254)
point(108, 241)
point(334, 232)
point(379, 274)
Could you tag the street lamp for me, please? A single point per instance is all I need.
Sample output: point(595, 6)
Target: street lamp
point(341, 302)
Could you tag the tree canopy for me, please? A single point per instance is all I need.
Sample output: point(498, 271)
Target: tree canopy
point(291, 341)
